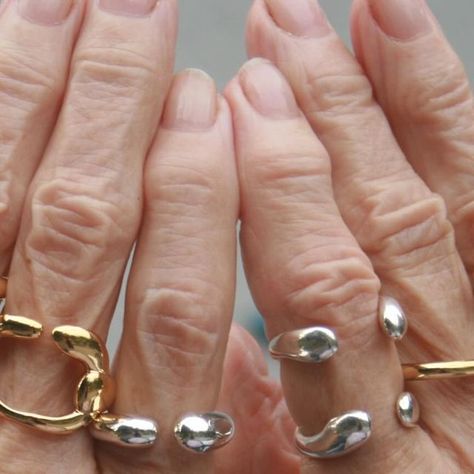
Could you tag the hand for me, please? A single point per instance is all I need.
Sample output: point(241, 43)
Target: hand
point(72, 155)
point(344, 195)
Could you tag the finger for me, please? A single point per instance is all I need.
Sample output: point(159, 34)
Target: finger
point(36, 41)
point(395, 217)
point(421, 85)
point(305, 269)
point(264, 441)
point(84, 206)
point(181, 289)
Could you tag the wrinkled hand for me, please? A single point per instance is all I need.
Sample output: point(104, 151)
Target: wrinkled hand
point(356, 177)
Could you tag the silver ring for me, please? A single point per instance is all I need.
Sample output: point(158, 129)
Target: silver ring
point(311, 345)
point(200, 433)
point(340, 436)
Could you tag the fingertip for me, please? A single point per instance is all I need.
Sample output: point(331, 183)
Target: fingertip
point(261, 31)
point(358, 13)
point(192, 102)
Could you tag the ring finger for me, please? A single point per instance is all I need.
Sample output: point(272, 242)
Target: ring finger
point(305, 268)
point(181, 290)
point(84, 207)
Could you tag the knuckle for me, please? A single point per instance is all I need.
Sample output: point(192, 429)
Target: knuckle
point(339, 93)
point(181, 326)
point(102, 74)
point(339, 290)
point(288, 170)
point(419, 231)
point(183, 185)
point(72, 221)
point(443, 99)
point(25, 82)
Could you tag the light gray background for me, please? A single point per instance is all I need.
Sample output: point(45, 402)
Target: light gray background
point(212, 38)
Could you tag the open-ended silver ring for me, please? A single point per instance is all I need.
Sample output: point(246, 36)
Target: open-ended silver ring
point(349, 431)
point(342, 434)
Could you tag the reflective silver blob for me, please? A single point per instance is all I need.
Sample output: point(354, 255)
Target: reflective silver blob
point(125, 431)
point(313, 345)
point(201, 433)
point(408, 410)
point(392, 318)
point(340, 436)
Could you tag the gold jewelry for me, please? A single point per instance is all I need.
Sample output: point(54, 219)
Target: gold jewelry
point(95, 391)
point(438, 370)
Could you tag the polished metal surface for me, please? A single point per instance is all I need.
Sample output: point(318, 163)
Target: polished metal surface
point(392, 318)
point(312, 345)
point(340, 436)
point(203, 432)
point(95, 391)
point(408, 410)
point(438, 370)
point(19, 327)
point(127, 431)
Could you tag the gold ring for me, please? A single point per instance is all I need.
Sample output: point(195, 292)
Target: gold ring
point(95, 391)
point(438, 370)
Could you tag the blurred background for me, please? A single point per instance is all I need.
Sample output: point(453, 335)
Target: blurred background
point(212, 38)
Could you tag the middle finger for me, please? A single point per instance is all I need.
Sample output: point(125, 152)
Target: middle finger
point(84, 205)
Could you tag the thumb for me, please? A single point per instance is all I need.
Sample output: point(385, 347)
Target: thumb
point(264, 430)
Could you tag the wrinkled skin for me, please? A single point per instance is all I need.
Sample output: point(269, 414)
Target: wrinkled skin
point(352, 175)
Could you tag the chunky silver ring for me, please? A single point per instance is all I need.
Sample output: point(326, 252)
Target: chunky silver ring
point(201, 433)
point(342, 434)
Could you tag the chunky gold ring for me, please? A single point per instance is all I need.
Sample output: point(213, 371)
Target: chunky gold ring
point(95, 391)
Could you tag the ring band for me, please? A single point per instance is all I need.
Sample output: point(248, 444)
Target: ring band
point(438, 370)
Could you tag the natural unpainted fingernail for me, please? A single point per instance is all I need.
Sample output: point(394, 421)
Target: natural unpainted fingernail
point(299, 17)
point(128, 7)
point(267, 90)
point(45, 12)
point(402, 19)
point(192, 102)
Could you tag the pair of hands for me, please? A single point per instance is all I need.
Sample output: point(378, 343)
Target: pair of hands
point(336, 194)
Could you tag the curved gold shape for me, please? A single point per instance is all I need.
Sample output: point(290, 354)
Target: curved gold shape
point(95, 391)
point(438, 370)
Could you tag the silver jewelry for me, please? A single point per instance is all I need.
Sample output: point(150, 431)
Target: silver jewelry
point(408, 410)
point(312, 345)
point(340, 436)
point(202, 432)
point(392, 318)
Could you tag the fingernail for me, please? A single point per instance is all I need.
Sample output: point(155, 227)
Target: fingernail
point(267, 90)
point(401, 19)
point(299, 17)
point(192, 102)
point(45, 12)
point(128, 7)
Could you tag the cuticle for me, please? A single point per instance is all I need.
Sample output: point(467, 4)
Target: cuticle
point(130, 15)
point(39, 23)
point(287, 33)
